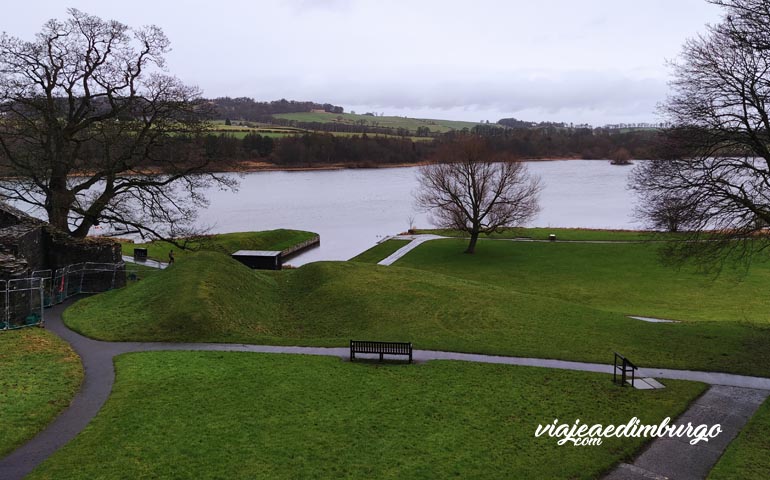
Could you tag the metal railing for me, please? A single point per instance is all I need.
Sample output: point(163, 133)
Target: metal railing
point(23, 300)
point(625, 366)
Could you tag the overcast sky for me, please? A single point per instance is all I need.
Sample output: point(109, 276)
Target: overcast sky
point(595, 61)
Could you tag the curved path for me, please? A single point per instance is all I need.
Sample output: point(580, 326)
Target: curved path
point(418, 239)
point(97, 357)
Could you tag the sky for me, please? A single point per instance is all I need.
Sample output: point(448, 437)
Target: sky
point(580, 61)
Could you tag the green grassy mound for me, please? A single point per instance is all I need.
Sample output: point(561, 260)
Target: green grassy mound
point(39, 375)
point(207, 297)
point(226, 243)
point(221, 415)
point(211, 298)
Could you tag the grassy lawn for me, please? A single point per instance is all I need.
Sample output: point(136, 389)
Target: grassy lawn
point(570, 234)
point(623, 278)
point(379, 252)
point(39, 374)
point(748, 456)
point(226, 243)
point(210, 297)
point(240, 415)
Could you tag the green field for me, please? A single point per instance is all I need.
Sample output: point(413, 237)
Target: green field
point(39, 375)
point(268, 416)
point(563, 234)
point(626, 279)
point(411, 124)
point(226, 243)
point(276, 131)
point(215, 415)
point(211, 298)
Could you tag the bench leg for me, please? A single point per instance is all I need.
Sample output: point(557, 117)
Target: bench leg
point(380, 357)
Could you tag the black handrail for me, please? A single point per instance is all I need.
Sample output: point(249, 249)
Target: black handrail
point(625, 366)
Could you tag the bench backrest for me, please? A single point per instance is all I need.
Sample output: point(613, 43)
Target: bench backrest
point(362, 346)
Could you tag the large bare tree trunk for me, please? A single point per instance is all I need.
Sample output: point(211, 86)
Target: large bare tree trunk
point(472, 245)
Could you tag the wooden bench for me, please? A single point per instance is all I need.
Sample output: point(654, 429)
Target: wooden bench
point(383, 348)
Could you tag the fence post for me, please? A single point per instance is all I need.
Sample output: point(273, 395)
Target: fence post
point(41, 286)
point(6, 313)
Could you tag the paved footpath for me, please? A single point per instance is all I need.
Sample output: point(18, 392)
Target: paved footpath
point(147, 263)
point(97, 358)
point(419, 239)
point(675, 458)
point(416, 241)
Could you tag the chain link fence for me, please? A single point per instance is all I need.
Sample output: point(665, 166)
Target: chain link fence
point(22, 300)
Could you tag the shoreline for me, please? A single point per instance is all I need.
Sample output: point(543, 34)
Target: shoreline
point(250, 166)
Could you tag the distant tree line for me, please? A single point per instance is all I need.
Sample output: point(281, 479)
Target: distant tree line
point(314, 149)
point(556, 142)
point(247, 109)
point(359, 151)
point(318, 149)
point(516, 123)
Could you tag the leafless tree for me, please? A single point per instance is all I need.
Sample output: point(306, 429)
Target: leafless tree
point(666, 212)
point(94, 131)
point(720, 139)
point(621, 156)
point(746, 22)
point(470, 188)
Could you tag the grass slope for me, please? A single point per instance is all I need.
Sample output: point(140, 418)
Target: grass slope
point(39, 374)
point(206, 297)
point(568, 234)
point(226, 243)
point(623, 278)
point(210, 297)
point(221, 415)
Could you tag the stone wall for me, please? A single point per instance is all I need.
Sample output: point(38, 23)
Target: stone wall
point(41, 247)
point(64, 250)
point(26, 241)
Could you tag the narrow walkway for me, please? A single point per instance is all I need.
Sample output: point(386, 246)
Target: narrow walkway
point(675, 458)
point(148, 263)
point(416, 240)
point(97, 357)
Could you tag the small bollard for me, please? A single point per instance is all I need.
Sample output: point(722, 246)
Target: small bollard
point(552, 237)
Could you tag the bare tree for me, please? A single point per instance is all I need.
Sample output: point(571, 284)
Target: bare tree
point(93, 131)
point(621, 156)
point(720, 139)
point(666, 212)
point(470, 188)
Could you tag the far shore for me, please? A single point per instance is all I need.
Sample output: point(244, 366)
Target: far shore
point(250, 166)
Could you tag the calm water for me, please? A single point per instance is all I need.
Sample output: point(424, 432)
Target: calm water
point(353, 209)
